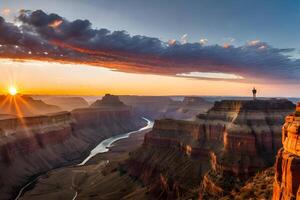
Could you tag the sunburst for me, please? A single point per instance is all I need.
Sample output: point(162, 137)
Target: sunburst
point(12, 90)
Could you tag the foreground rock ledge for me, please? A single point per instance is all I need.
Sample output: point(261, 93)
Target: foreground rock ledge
point(287, 175)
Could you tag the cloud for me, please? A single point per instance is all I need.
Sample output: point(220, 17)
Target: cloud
point(171, 42)
point(253, 42)
point(6, 11)
point(184, 39)
point(78, 42)
point(203, 41)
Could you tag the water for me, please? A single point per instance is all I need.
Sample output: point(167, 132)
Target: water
point(100, 148)
point(105, 144)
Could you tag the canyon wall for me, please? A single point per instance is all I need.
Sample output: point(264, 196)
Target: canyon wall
point(33, 145)
point(287, 167)
point(251, 139)
point(217, 152)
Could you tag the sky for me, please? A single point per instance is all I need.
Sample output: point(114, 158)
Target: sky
point(203, 47)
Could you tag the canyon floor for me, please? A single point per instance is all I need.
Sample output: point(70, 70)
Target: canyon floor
point(98, 176)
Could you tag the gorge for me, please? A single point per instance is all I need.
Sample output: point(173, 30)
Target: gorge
point(216, 156)
point(34, 145)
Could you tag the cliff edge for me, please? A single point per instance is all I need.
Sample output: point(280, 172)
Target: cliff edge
point(287, 167)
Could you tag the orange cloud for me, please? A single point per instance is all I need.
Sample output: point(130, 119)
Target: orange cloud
point(55, 24)
point(6, 11)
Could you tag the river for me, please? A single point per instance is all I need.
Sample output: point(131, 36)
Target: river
point(105, 144)
point(102, 147)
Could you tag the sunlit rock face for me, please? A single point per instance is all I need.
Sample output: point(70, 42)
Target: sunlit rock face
point(252, 135)
point(251, 138)
point(223, 148)
point(287, 174)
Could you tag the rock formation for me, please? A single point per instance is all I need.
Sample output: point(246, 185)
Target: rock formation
point(287, 167)
point(210, 158)
point(108, 100)
point(258, 187)
point(33, 145)
point(220, 150)
point(251, 138)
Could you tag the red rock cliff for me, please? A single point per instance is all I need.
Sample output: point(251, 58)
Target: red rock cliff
point(231, 142)
point(287, 167)
point(251, 140)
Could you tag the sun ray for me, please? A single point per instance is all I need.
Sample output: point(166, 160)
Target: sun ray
point(18, 110)
point(25, 103)
point(4, 101)
point(20, 116)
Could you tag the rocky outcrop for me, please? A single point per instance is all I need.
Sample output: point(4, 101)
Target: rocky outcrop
point(251, 139)
point(170, 162)
point(166, 172)
point(258, 187)
point(22, 105)
point(287, 167)
point(33, 145)
point(230, 143)
point(108, 100)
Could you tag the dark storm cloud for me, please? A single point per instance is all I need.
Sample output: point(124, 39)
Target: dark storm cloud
point(9, 34)
point(52, 36)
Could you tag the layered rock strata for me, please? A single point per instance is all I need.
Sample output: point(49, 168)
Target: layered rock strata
point(33, 145)
point(251, 139)
point(287, 167)
point(229, 143)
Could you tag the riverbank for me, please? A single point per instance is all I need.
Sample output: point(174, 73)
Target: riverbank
point(69, 182)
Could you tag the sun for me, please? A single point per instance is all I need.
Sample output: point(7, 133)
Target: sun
point(12, 90)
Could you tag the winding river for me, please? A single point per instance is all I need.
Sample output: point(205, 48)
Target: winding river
point(105, 144)
point(102, 147)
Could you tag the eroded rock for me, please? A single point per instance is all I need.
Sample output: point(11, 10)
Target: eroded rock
point(287, 174)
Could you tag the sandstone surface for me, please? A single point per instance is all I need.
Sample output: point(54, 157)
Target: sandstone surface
point(287, 167)
point(222, 149)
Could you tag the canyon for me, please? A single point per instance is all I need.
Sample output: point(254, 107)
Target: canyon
point(226, 153)
point(35, 144)
point(217, 153)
